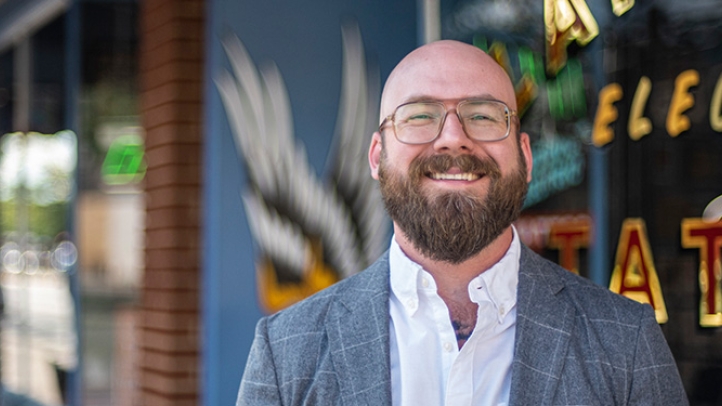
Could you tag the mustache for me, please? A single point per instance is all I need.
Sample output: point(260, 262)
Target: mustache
point(423, 166)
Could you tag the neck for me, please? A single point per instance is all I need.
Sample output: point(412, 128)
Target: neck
point(452, 280)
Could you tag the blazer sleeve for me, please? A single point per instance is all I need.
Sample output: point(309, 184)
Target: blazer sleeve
point(655, 378)
point(259, 385)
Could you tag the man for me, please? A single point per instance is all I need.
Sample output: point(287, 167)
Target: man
point(458, 311)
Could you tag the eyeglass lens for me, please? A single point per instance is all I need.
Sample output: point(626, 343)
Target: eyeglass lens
point(418, 123)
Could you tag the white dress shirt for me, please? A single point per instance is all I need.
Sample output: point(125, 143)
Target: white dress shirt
point(427, 367)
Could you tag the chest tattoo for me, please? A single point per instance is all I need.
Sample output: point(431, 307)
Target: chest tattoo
point(463, 331)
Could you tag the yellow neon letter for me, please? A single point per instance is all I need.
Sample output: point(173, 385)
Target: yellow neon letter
point(715, 108)
point(634, 275)
point(620, 7)
point(606, 114)
point(681, 102)
point(638, 125)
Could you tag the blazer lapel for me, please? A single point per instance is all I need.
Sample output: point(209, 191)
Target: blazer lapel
point(358, 330)
point(544, 326)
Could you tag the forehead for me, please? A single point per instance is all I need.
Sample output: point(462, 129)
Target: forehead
point(446, 71)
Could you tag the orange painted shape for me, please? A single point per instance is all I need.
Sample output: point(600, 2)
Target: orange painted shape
point(274, 296)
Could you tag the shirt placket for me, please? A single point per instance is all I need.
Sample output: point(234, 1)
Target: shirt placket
point(460, 384)
point(447, 346)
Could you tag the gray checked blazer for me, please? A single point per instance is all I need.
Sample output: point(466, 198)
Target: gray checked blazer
point(576, 344)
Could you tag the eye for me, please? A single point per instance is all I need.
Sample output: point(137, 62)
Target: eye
point(421, 117)
point(419, 114)
point(482, 113)
point(479, 117)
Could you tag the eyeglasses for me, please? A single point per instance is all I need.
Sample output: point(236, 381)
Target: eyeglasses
point(421, 122)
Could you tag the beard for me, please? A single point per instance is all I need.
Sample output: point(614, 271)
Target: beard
point(452, 226)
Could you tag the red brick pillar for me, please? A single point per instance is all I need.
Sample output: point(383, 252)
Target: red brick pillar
point(168, 371)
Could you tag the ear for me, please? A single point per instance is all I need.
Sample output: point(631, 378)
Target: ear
point(525, 146)
point(375, 154)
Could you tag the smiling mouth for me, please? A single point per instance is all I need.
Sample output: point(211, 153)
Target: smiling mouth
point(454, 176)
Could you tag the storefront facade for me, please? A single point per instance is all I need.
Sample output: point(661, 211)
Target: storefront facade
point(254, 119)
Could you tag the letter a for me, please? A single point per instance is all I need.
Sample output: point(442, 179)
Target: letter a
point(634, 274)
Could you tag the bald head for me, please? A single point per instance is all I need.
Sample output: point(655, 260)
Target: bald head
point(446, 70)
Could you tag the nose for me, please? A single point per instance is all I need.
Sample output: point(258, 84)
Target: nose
point(453, 138)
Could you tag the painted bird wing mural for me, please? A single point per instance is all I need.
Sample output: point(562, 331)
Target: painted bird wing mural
point(309, 232)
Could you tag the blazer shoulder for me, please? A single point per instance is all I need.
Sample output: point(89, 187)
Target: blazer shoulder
point(310, 314)
point(589, 298)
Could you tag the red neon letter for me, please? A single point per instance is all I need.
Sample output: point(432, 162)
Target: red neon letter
point(568, 237)
point(707, 236)
point(634, 275)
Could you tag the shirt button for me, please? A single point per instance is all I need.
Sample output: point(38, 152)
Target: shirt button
point(425, 282)
point(501, 310)
point(447, 347)
point(411, 304)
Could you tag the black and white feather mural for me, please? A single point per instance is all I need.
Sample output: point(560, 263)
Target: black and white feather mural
point(310, 231)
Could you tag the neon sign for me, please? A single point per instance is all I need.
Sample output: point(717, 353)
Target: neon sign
point(677, 121)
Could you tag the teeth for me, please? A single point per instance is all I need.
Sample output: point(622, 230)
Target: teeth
point(454, 176)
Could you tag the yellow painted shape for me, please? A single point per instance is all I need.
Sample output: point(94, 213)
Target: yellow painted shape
point(274, 296)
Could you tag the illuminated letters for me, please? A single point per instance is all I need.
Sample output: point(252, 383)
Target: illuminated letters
point(526, 88)
point(606, 114)
point(681, 102)
point(620, 7)
point(707, 236)
point(634, 275)
point(639, 126)
point(715, 109)
point(564, 21)
point(568, 237)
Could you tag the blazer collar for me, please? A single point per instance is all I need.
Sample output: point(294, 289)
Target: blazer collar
point(358, 330)
point(544, 326)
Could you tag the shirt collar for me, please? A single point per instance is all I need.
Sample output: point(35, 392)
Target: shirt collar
point(407, 277)
point(497, 285)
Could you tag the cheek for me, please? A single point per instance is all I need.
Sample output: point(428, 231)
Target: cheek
point(511, 159)
point(400, 156)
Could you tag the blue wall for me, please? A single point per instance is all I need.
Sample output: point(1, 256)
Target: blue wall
point(303, 38)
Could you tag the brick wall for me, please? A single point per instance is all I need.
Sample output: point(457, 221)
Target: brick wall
point(171, 90)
